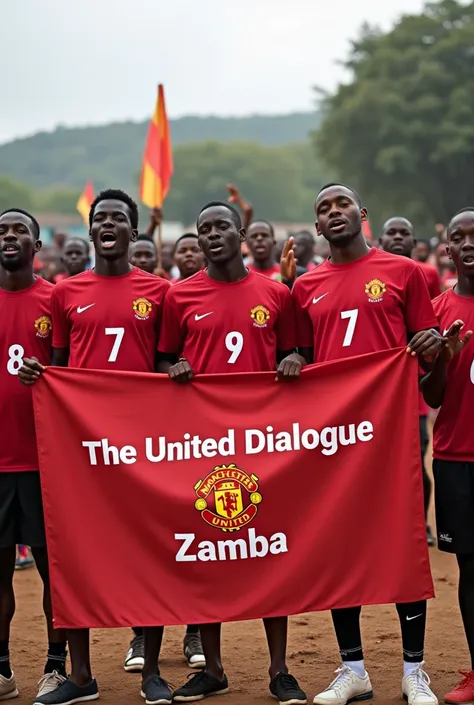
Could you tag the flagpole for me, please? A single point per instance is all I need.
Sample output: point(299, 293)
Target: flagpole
point(160, 246)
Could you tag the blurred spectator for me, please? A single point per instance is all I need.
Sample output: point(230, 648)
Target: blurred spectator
point(422, 251)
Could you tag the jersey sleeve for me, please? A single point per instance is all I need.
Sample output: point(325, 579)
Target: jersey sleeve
point(172, 335)
point(304, 326)
point(159, 315)
point(286, 325)
point(61, 327)
point(419, 314)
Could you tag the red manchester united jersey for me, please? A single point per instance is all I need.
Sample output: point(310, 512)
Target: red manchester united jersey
point(273, 272)
point(432, 277)
point(369, 305)
point(453, 437)
point(228, 327)
point(25, 331)
point(109, 323)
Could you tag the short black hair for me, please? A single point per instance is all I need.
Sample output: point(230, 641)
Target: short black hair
point(76, 238)
point(468, 209)
point(234, 213)
point(349, 188)
point(267, 223)
point(143, 237)
point(186, 236)
point(36, 227)
point(307, 233)
point(115, 194)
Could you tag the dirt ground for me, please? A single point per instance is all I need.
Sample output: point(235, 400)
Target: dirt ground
point(312, 648)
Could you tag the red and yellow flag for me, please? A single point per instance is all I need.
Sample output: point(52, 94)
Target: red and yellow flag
point(157, 167)
point(85, 201)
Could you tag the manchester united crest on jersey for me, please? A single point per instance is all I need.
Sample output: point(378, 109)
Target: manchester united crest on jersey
point(43, 326)
point(142, 308)
point(260, 316)
point(228, 498)
point(375, 290)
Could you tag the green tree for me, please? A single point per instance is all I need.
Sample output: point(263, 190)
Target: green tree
point(59, 200)
point(280, 182)
point(402, 131)
point(14, 194)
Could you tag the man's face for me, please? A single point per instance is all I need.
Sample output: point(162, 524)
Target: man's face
point(218, 235)
point(75, 256)
point(188, 257)
point(18, 243)
point(397, 237)
point(111, 230)
point(461, 243)
point(338, 215)
point(143, 254)
point(260, 241)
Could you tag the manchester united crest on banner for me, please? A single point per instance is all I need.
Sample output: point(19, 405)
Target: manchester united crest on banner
point(228, 498)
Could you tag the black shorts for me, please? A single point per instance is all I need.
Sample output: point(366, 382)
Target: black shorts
point(454, 502)
point(21, 510)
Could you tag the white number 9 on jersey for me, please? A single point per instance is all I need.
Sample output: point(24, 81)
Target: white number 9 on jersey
point(234, 342)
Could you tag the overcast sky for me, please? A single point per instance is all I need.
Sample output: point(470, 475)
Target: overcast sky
point(78, 62)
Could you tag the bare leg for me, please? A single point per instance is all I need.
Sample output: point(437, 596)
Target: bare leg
point(153, 638)
point(211, 645)
point(276, 629)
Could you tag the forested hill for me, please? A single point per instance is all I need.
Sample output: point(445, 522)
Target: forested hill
point(71, 156)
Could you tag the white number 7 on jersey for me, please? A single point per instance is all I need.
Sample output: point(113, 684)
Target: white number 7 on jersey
point(352, 316)
point(119, 333)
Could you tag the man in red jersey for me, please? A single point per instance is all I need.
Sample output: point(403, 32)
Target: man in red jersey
point(360, 301)
point(107, 318)
point(398, 237)
point(261, 243)
point(230, 319)
point(450, 386)
point(25, 313)
point(189, 260)
point(187, 256)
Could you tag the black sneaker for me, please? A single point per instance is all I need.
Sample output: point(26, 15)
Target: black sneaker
point(429, 537)
point(69, 693)
point(193, 652)
point(286, 690)
point(135, 658)
point(156, 691)
point(200, 686)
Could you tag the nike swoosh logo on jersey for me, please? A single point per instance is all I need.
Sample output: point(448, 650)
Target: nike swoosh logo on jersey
point(415, 617)
point(315, 301)
point(81, 309)
point(198, 318)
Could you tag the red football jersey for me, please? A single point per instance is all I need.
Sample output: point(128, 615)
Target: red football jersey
point(433, 279)
point(228, 327)
point(25, 331)
point(453, 437)
point(273, 272)
point(369, 305)
point(109, 323)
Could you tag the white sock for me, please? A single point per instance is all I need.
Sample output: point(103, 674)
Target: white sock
point(409, 668)
point(357, 666)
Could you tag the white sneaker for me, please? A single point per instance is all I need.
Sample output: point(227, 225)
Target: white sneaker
point(347, 687)
point(49, 682)
point(416, 688)
point(8, 689)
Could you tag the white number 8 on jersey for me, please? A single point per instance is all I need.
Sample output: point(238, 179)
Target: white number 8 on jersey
point(16, 354)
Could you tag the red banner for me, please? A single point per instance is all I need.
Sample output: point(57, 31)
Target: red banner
point(233, 497)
